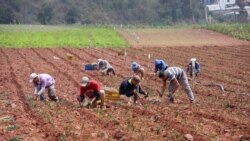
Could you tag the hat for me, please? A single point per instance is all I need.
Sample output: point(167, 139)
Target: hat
point(135, 65)
point(193, 59)
point(33, 76)
point(99, 60)
point(157, 62)
point(84, 81)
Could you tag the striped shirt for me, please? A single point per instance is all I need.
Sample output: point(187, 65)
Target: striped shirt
point(173, 72)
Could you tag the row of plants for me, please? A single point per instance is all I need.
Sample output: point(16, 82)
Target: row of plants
point(240, 31)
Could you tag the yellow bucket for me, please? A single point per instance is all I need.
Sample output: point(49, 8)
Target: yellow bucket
point(70, 56)
point(111, 94)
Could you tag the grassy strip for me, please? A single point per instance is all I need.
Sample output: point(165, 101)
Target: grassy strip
point(240, 31)
point(32, 36)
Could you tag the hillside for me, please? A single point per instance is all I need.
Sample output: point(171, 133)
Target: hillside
point(100, 11)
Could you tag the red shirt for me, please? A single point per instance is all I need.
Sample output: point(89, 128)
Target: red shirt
point(92, 86)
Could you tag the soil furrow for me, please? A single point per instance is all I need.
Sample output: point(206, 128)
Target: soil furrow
point(50, 133)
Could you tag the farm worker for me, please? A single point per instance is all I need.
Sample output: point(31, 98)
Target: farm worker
point(105, 67)
point(90, 93)
point(131, 87)
point(196, 66)
point(160, 65)
point(177, 77)
point(41, 82)
point(137, 69)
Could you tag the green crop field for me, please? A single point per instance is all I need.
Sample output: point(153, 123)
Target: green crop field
point(240, 31)
point(32, 36)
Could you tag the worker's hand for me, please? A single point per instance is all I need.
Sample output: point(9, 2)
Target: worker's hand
point(129, 103)
point(129, 100)
point(146, 95)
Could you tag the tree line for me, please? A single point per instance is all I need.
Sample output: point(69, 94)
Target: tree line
point(101, 11)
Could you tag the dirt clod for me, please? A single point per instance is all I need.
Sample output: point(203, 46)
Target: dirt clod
point(118, 135)
point(189, 137)
point(164, 134)
point(244, 138)
point(94, 135)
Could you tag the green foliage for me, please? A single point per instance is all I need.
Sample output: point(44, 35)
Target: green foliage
point(101, 11)
point(26, 36)
point(6, 15)
point(71, 16)
point(45, 14)
point(62, 138)
point(7, 119)
point(16, 139)
point(240, 31)
point(11, 127)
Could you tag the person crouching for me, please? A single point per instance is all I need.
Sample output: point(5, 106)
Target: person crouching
point(42, 82)
point(90, 93)
point(131, 87)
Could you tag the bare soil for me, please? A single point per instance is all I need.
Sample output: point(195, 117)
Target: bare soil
point(217, 115)
point(178, 37)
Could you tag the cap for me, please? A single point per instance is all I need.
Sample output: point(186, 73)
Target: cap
point(33, 76)
point(193, 59)
point(135, 65)
point(157, 62)
point(84, 81)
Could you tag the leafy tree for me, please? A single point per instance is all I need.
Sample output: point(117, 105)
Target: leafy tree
point(101, 11)
point(45, 14)
point(6, 15)
point(71, 16)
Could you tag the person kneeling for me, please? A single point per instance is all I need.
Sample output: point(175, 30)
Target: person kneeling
point(90, 93)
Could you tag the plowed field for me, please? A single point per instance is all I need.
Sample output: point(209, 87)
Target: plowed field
point(178, 37)
point(216, 115)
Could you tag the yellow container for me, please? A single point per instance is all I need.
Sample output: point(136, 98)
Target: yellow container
point(70, 56)
point(111, 94)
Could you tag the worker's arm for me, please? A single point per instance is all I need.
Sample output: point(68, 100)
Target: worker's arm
point(141, 91)
point(156, 69)
point(176, 85)
point(35, 93)
point(43, 85)
point(36, 89)
point(163, 89)
point(188, 68)
point(142, 73)
point(136, 97)
point(41, 91)
point(93, 101)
